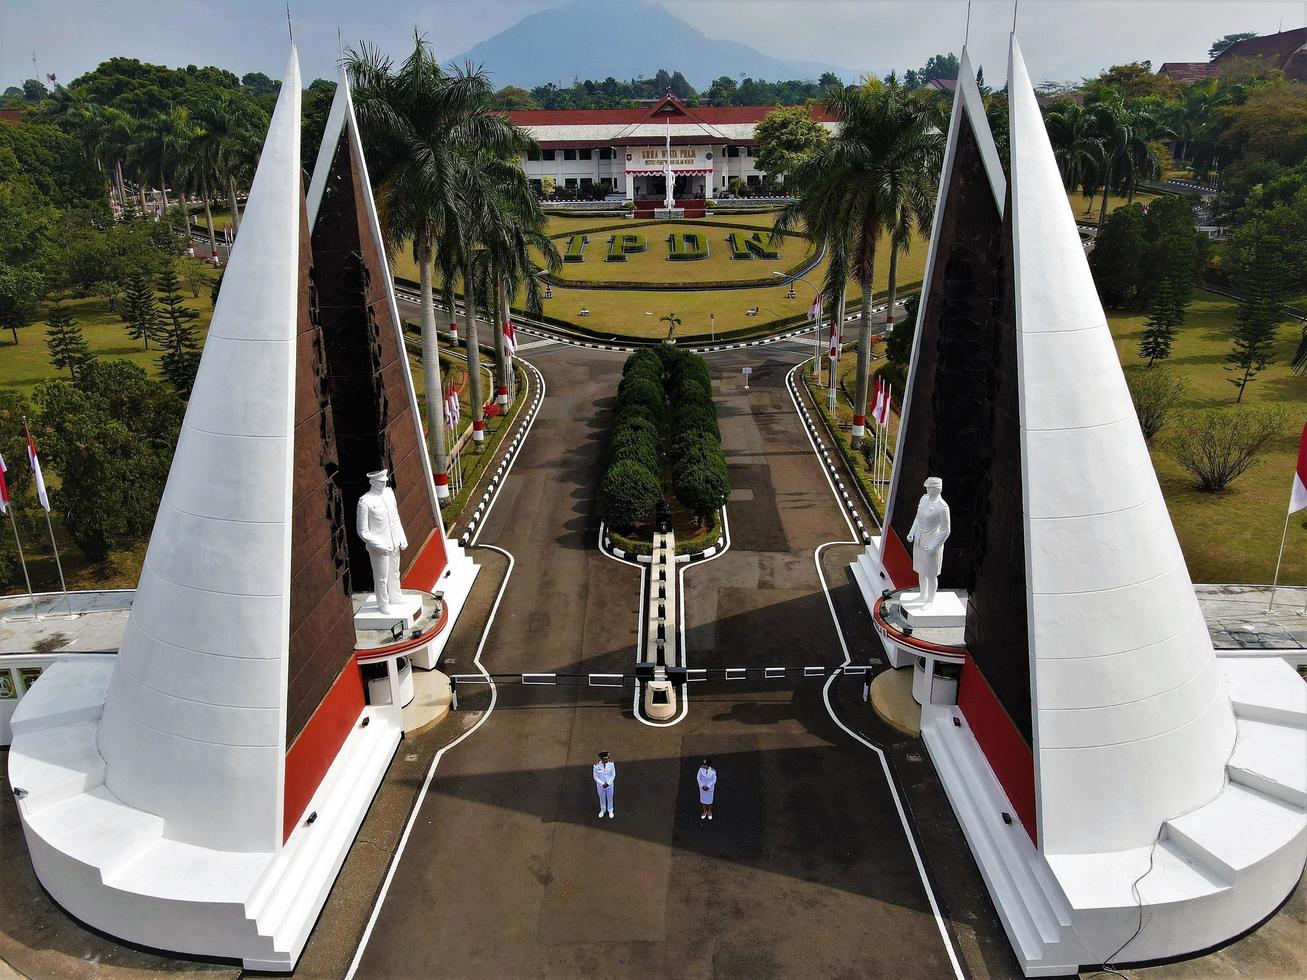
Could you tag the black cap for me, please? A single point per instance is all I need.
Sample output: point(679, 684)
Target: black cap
point(603, 755)
point(707, 762)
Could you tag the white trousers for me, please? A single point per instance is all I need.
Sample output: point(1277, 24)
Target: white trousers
point(385, 577)
point(605, 796)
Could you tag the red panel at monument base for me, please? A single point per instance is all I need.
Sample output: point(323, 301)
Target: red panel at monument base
point(896, 561)
point(1007, 752)
point(426, 568)
point(313, 752)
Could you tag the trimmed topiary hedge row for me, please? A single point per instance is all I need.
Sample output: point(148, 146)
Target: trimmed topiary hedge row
point(664, 411)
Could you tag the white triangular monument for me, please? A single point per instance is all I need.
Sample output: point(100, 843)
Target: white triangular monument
point(199, 791)
point(1107, 767)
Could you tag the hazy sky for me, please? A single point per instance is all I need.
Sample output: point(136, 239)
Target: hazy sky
point(1062, 39)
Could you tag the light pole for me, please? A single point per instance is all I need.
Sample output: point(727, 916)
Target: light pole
point(816, 345)
point(712, 327)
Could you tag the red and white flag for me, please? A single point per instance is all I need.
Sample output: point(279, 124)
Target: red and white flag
point(834, 341)
point(452, 411)
point(36, 470)
point(1298, 497)
point(510, 337)
point(882, 411)
point(4, 487)
point(879, 396)
point(814, 311)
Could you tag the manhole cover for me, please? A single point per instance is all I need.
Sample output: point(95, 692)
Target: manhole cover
point(914, 757)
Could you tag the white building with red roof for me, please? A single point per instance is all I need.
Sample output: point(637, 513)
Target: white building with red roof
point(591, 152)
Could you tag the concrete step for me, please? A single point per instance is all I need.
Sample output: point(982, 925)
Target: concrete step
point(1272, 759)
point(99, 830)
point(1237, 830)
point(1263, 690)
point(53, 765)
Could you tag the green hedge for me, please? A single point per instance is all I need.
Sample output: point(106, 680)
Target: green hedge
point(642, 426)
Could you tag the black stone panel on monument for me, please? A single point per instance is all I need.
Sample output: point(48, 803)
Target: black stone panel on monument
point(368, 390)
point(945, 427)
point(997, 632)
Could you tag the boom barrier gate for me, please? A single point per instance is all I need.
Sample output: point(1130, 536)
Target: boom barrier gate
point(645, 672)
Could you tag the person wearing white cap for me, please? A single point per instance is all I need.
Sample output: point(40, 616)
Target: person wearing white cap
point(707, 778)
point(605, 774)
point(379, 527)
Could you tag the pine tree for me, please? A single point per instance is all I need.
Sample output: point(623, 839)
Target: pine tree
point(1170, 300)
point(139, 310)
point(1261, 311)
point(181, 357)
point(65, 341)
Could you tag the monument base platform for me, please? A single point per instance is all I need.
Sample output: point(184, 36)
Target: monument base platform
point(115, 868)
point(1211, 874)
point(947, 610)
point(406, 611)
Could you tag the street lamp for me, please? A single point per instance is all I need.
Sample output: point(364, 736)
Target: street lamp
point(816, 345)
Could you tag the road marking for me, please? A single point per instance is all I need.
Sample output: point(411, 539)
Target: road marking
point(494, 698)
point(830, 710)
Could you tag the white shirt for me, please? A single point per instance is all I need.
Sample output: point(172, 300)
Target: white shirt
point(605, 772)
point(378, 522)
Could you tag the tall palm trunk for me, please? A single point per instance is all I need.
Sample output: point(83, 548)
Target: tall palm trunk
point(432, 384)
point(235, 211)
point(864, 353)
point(1107, 189)
point(208, 213)
point(122, 188)
point(163, 189)
point(473, 356)
point(501, 354)
point(892, 286)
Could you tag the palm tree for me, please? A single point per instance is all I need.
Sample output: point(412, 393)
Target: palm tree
point(423, 127)
point(1076, 145)
point(1125, 130)
point(158, 142)
point(243, 126)
point(875, 178)
point(104, 133)
point(673, 321)
point(198, 158)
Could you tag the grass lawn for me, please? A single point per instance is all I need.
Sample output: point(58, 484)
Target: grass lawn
point(1086, 208)
point(1227, 537)
point(636, 312)
point(655, 265)
point(1231, 536)
point(26, 364)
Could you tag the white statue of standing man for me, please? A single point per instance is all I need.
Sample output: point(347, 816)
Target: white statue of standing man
point(379, 527)
point(930, 529)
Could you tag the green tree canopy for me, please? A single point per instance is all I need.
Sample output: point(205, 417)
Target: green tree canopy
point(785, 138)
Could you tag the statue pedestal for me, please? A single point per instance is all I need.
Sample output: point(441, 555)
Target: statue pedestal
point(407, 611)
point(669, 212)
point(947, 610)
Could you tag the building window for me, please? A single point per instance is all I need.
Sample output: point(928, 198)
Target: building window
point(585, 154)
point(570, 182)
point(533, 153)
point(569, 154)
point(605, 153)
point(732, 151)
point(546, 154)
point(749, 150)
point(536, 187)
point(754, 180)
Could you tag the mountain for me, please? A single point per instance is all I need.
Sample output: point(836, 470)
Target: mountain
point(625, 39)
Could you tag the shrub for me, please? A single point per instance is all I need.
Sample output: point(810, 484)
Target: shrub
point(695, 417)
point(641, 391)
point(1215, 448)
point(638, 445)
point(628, 495)
point(642, 358)
point(693, 442)
point(691, 391)
point(1156, 394)
point(701, 485)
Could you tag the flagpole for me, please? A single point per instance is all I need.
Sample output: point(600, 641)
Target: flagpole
point(23, 561)
point(1275, 582)
point(59, 565)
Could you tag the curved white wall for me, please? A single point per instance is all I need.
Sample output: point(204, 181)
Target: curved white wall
point(1132, 723)
point(193, 727)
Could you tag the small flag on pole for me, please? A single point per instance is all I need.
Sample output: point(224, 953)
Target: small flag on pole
point(814, 311)
point(35, 462)
point(834, 341)
point(4, 488)
point(883, 416)
point(510, 336)
point(875, 404)
point(1298, 496)
point(451, 407)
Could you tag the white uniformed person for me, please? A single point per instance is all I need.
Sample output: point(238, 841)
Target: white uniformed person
point(379, 526)
point(605, 773)
point(707, 778)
